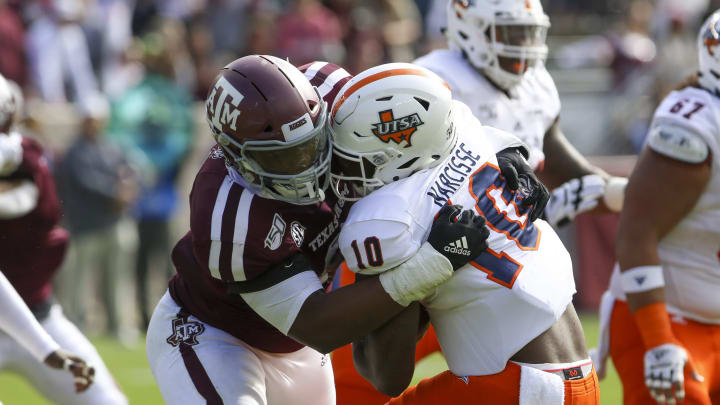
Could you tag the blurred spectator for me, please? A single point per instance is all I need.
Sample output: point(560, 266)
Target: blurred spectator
point(108, 31)
point(153, 122)
point(12, 40)
point(309, 31)
point(57, 51)
point(96, 185)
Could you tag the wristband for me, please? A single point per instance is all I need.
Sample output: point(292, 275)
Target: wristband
point(642, 278)
point(614, 195)
point(417, 277)
point(653, 323)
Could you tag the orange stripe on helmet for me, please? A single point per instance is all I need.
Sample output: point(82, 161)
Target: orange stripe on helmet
point(377, 76)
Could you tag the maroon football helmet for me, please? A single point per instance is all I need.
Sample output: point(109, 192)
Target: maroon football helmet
point(270, 123)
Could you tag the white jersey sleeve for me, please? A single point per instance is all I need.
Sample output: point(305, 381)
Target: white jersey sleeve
point(378, 237)
point(17, 321)
point(684, 126)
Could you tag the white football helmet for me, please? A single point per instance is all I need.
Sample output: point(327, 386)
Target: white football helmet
point(502, 38)
point(709, 53)
point(7, 103)
point(387, 123)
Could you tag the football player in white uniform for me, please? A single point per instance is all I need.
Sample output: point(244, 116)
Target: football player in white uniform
point(505, 321)
point(661, 317)
point(495, 65)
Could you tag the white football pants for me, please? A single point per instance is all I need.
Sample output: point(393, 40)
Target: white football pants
point(58, 385)
point(195, 363)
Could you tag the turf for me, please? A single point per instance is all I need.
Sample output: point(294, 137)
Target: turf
point(130, 369)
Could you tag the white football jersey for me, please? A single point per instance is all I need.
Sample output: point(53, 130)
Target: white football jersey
point(529, 111)
point(685, 127)
point(505, 297)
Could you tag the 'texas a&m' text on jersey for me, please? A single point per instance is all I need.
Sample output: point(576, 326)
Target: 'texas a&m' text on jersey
point(236, 235)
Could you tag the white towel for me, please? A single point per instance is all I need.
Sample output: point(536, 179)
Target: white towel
point(538, 387)
point(600, 354)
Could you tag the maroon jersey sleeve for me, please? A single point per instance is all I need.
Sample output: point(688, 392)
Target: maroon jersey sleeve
point(327, 77)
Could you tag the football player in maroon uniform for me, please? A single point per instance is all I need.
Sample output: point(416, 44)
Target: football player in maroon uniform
point(32, 248)
point(246, 318)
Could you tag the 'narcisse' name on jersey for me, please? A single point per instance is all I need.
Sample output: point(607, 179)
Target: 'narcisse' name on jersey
point(453, 175)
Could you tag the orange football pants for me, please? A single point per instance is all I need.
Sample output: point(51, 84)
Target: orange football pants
point(702, 341)
point(497, 389)
point(350, 387)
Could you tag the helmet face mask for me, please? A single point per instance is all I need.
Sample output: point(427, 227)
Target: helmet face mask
point(282, 149)
point(387, 123)
point(708, 43)
point(8, 105)
point(504, 39)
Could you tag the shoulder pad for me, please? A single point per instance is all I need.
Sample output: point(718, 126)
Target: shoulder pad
point(678, 142)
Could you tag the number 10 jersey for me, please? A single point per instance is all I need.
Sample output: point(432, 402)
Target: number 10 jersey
point(502, 299)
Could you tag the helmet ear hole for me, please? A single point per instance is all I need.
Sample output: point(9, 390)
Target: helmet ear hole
point(424, 103)
point(268, 128)
point(408, 163)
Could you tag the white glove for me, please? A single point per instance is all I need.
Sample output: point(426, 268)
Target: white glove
point(573, 197)
point(664, 367)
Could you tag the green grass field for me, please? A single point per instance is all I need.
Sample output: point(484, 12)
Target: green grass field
point(130, 369)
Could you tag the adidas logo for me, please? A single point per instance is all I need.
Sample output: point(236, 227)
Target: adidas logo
point(459, 247)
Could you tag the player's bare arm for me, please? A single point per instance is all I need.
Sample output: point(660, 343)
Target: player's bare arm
point(577, 186)
point(648, 214)
point(352, 311)
point(386, 357)
point(647, 217)
point(562, 161)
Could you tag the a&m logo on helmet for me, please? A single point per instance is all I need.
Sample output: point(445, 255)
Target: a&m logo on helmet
point(396, 129)
point(711, 36)
point(222, 105)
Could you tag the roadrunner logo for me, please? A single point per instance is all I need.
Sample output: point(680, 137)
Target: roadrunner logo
point(396, 129)
point(185, 331)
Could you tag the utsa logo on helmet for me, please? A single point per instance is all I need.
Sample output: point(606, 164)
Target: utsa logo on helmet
point(396, 129)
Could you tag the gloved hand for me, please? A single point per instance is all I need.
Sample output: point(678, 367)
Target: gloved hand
point(664, 367)
point(519, 175)
point(83, 374)
point(573, 197)
point(459, 240)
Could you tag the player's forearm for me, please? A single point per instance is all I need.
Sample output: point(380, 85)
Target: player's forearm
point(562, 161)
point(328, 321)
point(386, 356)
point(636, 247)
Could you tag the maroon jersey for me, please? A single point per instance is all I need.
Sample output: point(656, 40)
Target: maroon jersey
point(32, 247)
point(236, 235)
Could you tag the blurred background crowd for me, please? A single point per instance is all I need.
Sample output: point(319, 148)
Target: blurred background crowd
point(114, 90)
